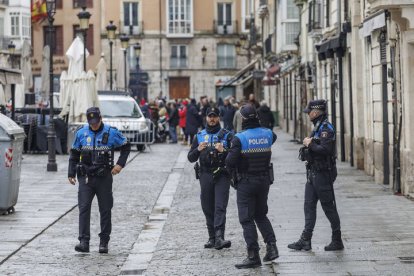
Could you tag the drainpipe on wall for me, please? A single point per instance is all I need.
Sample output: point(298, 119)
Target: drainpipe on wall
point(160, 46)
point(384, 79)
point(341, 85)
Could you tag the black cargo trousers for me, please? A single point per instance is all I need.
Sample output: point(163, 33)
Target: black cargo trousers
point(214, 199)
point(101, 186)
point(319, 186)
point(252, 193)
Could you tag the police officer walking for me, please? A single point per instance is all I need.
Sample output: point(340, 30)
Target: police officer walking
point(319, 152)
point(92, 161)
point(210, 148)
point(249, 162)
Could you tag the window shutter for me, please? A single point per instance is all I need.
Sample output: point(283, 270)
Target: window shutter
point(58, 41)
point(89, 40)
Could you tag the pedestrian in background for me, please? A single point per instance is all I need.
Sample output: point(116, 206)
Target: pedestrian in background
point(173, 120)
point(237, 119)
point(204, 105)
point(193, 120)
point(319, 152)
point(249, 162)
point(227, 114)
point(182, 113)
point(210, 147)
point(265, 116)
point(91, 161)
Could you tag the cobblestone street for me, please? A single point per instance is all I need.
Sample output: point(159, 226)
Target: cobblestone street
point(159, 227)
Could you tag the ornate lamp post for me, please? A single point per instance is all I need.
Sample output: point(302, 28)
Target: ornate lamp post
point(12, 49)
point(204, 53)
point(111, 28)
point(125, 44)
point(51, 133)
point(137, 49)
point(84, 16)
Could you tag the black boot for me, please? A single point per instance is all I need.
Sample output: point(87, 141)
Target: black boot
point(336, 243)
point(103, 247)
point(220, 243)
point(303, 243)
point(83, 246)
point(210, 243)
point(252, 260)
point(271, 252)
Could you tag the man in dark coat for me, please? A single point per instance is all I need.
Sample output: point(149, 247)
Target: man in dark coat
point(227, 114)
point(265, 116)
point(193, 120)
point(173, 122)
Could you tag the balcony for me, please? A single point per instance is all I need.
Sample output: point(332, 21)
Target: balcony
point(4, 42)
point(225, 27)
point(4, 2)
point(386, 4)
point(132, 30)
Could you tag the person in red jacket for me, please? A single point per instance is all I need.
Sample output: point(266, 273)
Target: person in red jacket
point(182, 113)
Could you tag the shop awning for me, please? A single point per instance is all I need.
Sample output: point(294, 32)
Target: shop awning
point(370, 24)
point(327, 48)
point(10, 76)
point(240, 74)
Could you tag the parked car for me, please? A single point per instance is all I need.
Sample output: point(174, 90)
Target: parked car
point(120, 110)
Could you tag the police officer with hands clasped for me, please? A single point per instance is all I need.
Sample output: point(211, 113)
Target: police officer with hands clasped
point(210, 148)
point(319, 152)
point(248, 161)
point(92, 161)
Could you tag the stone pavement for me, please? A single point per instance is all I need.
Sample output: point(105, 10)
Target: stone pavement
point(378, 227)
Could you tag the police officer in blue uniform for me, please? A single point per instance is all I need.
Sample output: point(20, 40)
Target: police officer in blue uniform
point(319, 152)
point(210, 148)
point(91, 160)
point(248, 161)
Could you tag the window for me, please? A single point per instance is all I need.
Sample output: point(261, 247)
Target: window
point(1, 26)
point(131, 25)
point(59, 4)
point(314, 17)
point(247, 12)
point(178, 56)
point(83, 3)
point(180, 17)
point(15, 23)
point(226, 56)
point(291, 32)
point(26, 26)
point(224, 18)
point(89, 37)
point(292, 10)
point(57, 45)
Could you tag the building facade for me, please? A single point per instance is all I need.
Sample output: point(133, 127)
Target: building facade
point(172, 34)
point(356, 55)
point(66, 28)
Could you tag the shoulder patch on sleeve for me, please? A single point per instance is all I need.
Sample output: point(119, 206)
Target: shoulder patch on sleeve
point(324, 134)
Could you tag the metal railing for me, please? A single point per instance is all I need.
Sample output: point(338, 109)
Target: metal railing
point(4, 42)
point(225, 27)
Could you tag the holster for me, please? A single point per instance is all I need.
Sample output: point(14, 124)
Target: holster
point(197, 170)
point(271, 174)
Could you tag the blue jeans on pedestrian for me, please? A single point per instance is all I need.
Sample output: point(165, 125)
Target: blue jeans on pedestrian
point(173, 133)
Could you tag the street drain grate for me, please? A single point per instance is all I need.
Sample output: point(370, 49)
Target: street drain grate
point(407, 260)
point(356, 196)
point(133, 272)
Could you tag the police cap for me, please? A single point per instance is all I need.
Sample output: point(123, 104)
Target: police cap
point(248, 111)
point(213, 111)
point(93, 114)
point(315, 104)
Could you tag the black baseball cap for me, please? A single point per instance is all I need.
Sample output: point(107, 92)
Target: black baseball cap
point(93, 114)
point(248, 111)
point(213, 111)
point(316, 104)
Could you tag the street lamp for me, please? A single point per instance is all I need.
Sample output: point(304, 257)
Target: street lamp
point(84, 16)
point(125, 44)
point(137, 49)
point(110, 29)
point(204, 53)
point(12, 49)
point(51, 133)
